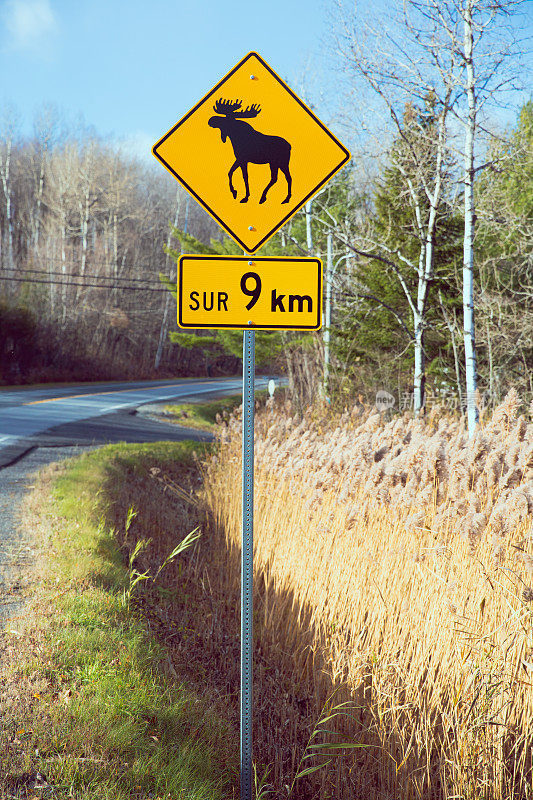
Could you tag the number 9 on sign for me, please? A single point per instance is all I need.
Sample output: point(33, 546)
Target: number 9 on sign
point(253, 293)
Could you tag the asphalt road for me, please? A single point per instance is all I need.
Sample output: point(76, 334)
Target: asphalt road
point(39, 425)
point(85, 414)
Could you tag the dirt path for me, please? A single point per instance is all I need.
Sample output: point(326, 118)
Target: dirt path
point(18, 553)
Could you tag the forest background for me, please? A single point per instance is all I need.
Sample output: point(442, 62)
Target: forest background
point(89, 235)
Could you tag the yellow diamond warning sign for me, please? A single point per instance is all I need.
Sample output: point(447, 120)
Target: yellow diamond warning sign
point(251, 152)
point(240, 292)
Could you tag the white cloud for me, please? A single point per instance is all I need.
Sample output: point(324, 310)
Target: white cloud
point(138, 145)
point(29, 26)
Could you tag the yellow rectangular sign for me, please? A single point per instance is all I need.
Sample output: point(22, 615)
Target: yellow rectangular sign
point(249, 292)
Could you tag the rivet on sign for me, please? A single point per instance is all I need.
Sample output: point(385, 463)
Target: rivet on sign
point(250, 263)
point(252, 77)
point(250, 323)
point(251, 228)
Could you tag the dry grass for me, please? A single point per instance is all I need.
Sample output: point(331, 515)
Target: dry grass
point(394, 560)
point(393, 563)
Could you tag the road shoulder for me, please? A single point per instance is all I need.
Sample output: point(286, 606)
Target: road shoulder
point(89, 699)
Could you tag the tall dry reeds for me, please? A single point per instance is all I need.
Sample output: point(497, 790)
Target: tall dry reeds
point(394, 559)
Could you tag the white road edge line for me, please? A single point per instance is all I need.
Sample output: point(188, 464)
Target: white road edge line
point(15, 439)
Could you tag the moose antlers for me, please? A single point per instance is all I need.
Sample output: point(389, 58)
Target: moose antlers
point(231, 109)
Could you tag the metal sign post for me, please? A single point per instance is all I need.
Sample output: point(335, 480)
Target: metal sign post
point(248, 404)
point(250, 292)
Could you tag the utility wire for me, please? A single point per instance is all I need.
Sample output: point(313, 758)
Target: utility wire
point(71, 258)
point(86, 285)
point(84, 275)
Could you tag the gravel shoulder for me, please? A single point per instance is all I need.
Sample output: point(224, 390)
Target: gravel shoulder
point(19, 552)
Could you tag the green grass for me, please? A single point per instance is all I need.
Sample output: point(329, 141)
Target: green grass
point(202, 416)
point(100, 715)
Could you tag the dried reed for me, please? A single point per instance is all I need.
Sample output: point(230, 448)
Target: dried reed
point(394, 558)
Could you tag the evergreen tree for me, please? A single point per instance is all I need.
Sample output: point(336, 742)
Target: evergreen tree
point(504, 252)
point(213, 345)
point(378, 324)
point(297, 354)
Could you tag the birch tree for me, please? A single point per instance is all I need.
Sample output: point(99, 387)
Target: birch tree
point(482, 59)
point(61, 191)
point(46, 128)
point(8, 133)
point(457, 49)
point(475, 34)
point(395, 69)
point(87, 197)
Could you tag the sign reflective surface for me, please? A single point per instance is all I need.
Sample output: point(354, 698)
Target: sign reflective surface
point(251, 152)
point(255, 292)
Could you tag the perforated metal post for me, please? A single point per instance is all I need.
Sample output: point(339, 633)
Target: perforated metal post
point(248, 403)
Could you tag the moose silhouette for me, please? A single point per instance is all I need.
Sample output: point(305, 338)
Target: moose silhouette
point(251, 146)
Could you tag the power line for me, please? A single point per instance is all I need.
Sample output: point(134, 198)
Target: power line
point(82, 275)
point(87, 285)
point(71, 258)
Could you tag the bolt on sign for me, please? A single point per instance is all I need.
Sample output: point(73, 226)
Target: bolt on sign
point(251, 152)
point(238, 292)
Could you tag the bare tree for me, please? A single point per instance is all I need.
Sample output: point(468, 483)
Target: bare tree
point(46, 127)
point(483, 58)
point(477, 35)
point(87, 196)
point(60, 192)
point(403, 70)
point(458, 51)
point(163, 332)
point(8, 134)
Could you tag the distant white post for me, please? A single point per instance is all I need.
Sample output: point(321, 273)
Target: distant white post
point(327, 317)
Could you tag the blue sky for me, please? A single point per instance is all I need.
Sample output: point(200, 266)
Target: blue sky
point(134, 67)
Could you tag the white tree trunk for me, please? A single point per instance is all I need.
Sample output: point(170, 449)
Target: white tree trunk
point(468, 245)
point(425, 274)
point(115, 244)
point(427, 259)
point(6, 185)
point(419, 380)
point(51, 269)
point(428, 253)
point(308, 228)
point(63, 268)
point(163, 331)
point(84, 212)
point(39, 202)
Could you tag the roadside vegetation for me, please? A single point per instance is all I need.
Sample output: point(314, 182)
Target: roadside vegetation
point(392, 596)
point(91, 706)
point(209, 416)
point(423, 227)
point(393, 565)
point(201, 416)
